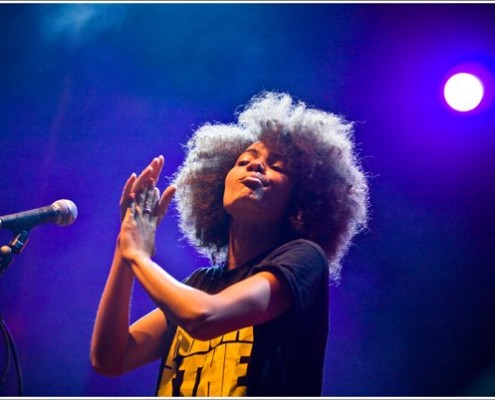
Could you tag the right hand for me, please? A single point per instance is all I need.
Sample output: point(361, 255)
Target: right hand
point(138, 190)
point(136, 186)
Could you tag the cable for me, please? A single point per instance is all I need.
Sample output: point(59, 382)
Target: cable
point(12, 349)
point(7, 355)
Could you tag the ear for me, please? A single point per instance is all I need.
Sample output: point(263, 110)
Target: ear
point(297, 220)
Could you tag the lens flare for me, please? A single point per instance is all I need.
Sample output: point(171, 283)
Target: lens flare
point(463, 92)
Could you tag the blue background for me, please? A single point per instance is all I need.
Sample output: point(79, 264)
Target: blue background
point(91, 92)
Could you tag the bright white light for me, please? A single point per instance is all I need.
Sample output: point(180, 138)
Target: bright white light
point(463, 92)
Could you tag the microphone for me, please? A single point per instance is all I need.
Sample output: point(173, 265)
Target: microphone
point(61, 212)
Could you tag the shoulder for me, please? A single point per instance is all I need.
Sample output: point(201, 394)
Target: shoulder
point(302, 266)
point(301, 250)
point(202, 275)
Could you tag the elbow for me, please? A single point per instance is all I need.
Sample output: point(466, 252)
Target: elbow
point(201, 326)
point(105, 366)
point(197, 331)
point(200, 317)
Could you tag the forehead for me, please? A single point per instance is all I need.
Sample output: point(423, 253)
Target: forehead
point(265, 149)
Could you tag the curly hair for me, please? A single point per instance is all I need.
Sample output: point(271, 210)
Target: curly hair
point(330, 203)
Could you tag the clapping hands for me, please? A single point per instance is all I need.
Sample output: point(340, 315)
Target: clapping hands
point(142, 209)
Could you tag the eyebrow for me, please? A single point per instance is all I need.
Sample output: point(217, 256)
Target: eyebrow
point(256, 153)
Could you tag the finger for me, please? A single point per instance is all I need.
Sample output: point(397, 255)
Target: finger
point(149, 200)
point(157, 165)
point(142, 180)
point(156, 198)
point(127, 188)
point(165, 200)
point(141, 184)
point(140, 197)
point(126, 197)
point(130, 211)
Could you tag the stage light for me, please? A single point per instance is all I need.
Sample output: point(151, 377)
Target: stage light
point(463, 92)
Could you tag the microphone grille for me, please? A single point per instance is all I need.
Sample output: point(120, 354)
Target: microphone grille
point(67, 212)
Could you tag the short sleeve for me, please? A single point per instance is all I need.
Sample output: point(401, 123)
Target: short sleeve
point(195, 277)
point(301, 265)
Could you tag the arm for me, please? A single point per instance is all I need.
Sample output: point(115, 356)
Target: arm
point(255, 300)
point(116, 347)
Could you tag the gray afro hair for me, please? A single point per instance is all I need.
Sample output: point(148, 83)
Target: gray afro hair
point(330, 199)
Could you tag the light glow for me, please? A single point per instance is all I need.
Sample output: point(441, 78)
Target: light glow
point(463, 92)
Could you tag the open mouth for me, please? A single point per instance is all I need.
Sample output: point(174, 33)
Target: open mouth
point(255, 181)
point(252, 182)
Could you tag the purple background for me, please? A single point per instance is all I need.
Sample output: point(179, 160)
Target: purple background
point(91, 92)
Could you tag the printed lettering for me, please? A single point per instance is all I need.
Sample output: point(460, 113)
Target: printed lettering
point(215, 367)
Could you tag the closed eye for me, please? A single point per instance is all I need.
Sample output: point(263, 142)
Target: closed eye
point(279, 167)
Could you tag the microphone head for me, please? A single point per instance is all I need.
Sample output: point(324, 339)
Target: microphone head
point(66, 210)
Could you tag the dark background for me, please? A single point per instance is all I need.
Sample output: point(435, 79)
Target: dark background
point(91, 92)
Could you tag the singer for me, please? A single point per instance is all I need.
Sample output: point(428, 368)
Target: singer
point(274, 201)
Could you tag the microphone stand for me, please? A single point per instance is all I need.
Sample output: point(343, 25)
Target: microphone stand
point(15, 246)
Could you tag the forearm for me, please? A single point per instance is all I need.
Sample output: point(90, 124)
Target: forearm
point(186, 306)
point(252, 301)
point(111, 329)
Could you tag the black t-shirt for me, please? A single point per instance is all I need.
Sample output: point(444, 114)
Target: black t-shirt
point(283, 357)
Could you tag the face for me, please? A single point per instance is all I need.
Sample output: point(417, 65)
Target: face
point(257, 188)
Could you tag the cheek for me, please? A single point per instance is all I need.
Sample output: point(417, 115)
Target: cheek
point(283, 195)
point(229, 181)
point(229, 177)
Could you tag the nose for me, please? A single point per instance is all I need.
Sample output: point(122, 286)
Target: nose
point(256, 165)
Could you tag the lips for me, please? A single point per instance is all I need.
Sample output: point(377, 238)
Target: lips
point(254, 181)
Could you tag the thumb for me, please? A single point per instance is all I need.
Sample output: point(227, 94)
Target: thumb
point(165, 200)
point(129, 213)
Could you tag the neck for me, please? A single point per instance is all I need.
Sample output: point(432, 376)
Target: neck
point(246, 242)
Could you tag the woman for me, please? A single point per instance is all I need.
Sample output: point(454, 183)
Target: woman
point(274, 201)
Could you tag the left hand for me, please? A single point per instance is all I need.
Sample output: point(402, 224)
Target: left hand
point(135, 185)
point(137, 233)
point(142, 210)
